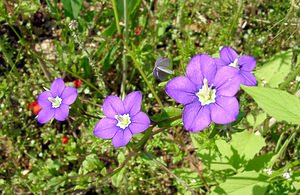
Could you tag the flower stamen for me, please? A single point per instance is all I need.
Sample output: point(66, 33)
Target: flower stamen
point(123, 120)
point(206, 95)
point(234, 64)
point(56, 102)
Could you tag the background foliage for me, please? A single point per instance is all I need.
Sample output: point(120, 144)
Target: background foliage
point(86, 40)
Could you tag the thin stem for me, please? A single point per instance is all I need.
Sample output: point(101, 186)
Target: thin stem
point(138, 66)
point(169, 172)
point(125, 37)
point(133, 57)
point(281, 151)
point(70, 72)
point(8, 58)
point(23, 43)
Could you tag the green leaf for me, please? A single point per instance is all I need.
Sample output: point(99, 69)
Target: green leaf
point(91, 163)
point(279, 104)
point(224, 148)
point(109, 58)
point(251, 144)
point(276, 69)
point(256, 119)
point(168, 117)
point(244, 183)
point(111, 30)
point(117, 178)
point(72, 8)
point(259, 162)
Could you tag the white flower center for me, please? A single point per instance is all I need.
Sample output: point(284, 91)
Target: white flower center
point(123, 120)
point(206, 94)
point(56, 102)
point(234, 64)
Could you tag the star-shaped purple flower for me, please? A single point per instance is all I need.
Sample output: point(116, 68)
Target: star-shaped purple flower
point(55, 103)
point(245, 64)
point(206, 93)
point(122, 119)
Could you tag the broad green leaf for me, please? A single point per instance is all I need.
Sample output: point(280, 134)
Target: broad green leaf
point(256, 119)
point(258, 162)
point(168, 117)
point(276, 69)
point(247, 144)
point(245, 183)
point(252, 144)
point(72, 7)
point(279, 104)
point(212, 160)
point(224, 148)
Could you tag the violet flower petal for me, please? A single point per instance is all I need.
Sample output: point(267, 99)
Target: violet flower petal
point(45, 115)
point(62, 112)
point(57, 87)
point(112, 106)
point(201, 66)
point(139, 123)
point(220, 63)
point(121, 138)
point(69, 95)
point(227, 81)
point(228, 55)
point(247, 63)
point(196, 117)
point(225, 110)
point(247, 78)
point(133, 102)
point(181, 89)
point(106, 128)
point(43, 99)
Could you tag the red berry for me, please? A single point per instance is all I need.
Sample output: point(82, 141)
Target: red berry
point(64, 139)
point(34, 107)
point(137, 31)
point(77, 83)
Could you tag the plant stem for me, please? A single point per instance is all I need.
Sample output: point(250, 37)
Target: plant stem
point(8, 58)
point(138, 66)
point(132, 55)
point(169, 171)
point(125, 37)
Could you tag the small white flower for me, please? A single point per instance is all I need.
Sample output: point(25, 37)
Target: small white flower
point(268, 171)
point(286, 175)
point(298, 79)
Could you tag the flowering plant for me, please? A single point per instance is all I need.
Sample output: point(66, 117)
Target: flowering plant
point(122, 119)
point(206, 92)
point(55, 102)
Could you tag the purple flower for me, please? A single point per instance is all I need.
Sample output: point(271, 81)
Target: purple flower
point(122, 119)
point(55, 103)
point(206, 93)
point(245, 64)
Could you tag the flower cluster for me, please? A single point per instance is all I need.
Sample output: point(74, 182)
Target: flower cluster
point(209, 87)
point(207, 93)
